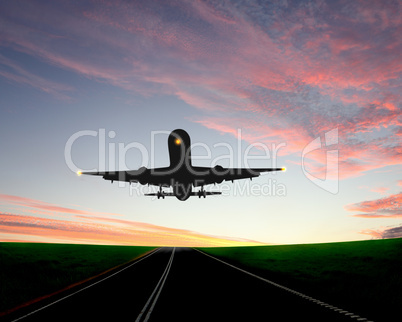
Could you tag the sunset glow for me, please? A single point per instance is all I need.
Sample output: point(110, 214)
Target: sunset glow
point(75, 226)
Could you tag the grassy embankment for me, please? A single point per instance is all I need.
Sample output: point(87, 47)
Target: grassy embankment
point(29, 270)
point(364, 277)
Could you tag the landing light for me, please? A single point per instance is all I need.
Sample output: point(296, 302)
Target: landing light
point(177, 141)
point(79, 173)
point(284, 169)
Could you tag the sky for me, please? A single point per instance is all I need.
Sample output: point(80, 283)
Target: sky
point(313, 86)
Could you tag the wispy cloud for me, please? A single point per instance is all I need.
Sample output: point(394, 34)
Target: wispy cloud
point(93, 232)
point(287, 72)
point(386, 207)
point(45, 206)
point(380, 190)
point(83, 226)
point(10, 70)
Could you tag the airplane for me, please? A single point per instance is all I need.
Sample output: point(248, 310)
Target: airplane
point(181, 174)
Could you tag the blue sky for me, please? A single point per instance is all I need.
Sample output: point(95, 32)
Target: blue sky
point(282, 73)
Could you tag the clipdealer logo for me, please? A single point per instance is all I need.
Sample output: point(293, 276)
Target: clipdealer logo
point(107, 151)
point(330, 182)
point(110, 151)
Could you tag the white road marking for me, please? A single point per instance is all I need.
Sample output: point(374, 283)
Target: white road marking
point(347, 313)
point(86, 287)
point(158, 288)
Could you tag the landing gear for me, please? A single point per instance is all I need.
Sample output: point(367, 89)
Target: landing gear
point(160, 193)
point(202, 193)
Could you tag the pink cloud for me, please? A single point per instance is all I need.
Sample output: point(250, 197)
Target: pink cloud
point(127, 233)
point(95, 227)
point(387, 207)
point(374, 233)
point(383, 232)
point(41, 205)
point(380, 190)
point(354, 158)
point(290, 72)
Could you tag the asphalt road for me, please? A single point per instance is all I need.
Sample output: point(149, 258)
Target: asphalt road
point(180, 284)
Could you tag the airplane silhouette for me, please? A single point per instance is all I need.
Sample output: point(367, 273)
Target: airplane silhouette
point(181, 174)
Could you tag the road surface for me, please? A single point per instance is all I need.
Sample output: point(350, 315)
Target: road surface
point(181, 284)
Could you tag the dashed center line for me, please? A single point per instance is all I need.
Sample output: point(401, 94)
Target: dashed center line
point(309, 298)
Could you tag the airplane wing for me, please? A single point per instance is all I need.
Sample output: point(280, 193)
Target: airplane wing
point(218, 174)
point(157, 177)
point(198, 175)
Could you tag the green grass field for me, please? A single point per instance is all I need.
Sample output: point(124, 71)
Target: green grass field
point(364, 277)
point(31, 270)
